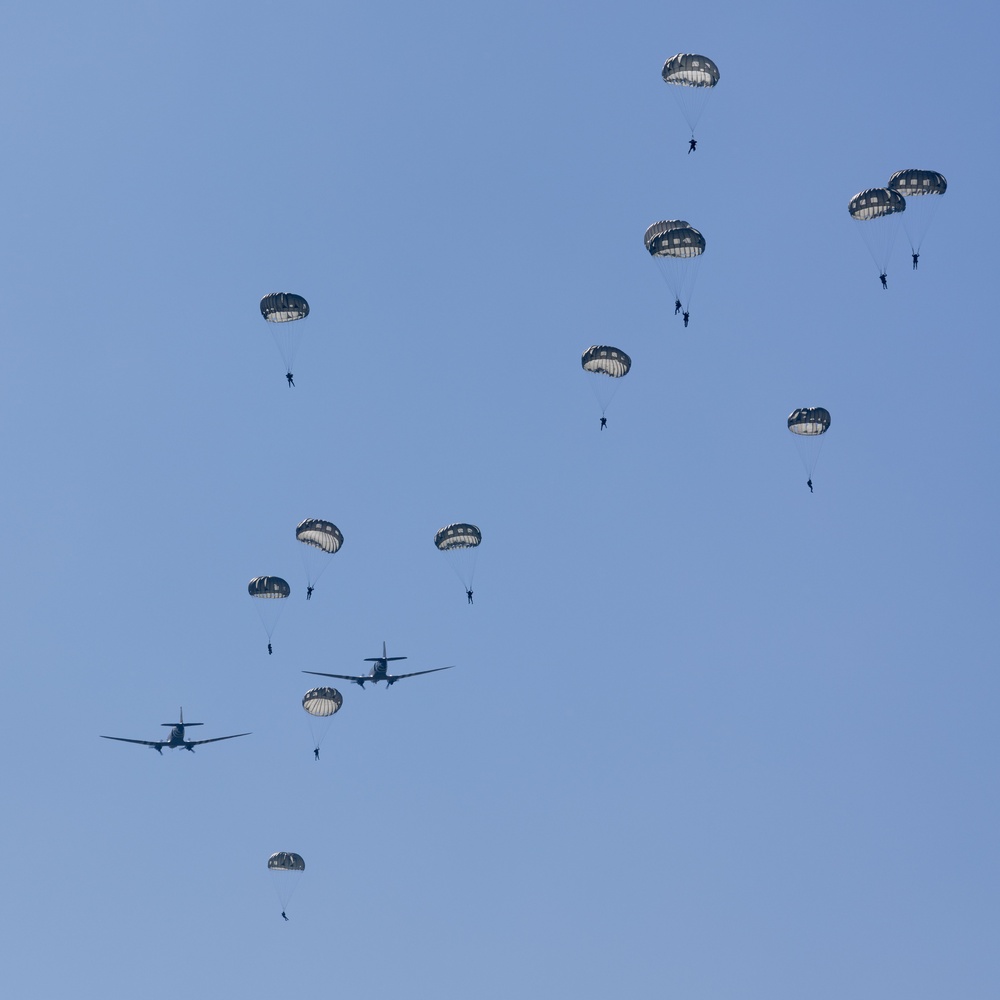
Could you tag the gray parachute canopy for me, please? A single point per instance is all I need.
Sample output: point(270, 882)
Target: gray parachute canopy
point(458, 536)
point(283, 307)
point(322, 701)
point(911, 182)
point(268, 586)
point(809, 421)
point(606, 361)
point(285, 861)
point(320, 534)
point(874, 203)
point(686, 69)
point(673, 238)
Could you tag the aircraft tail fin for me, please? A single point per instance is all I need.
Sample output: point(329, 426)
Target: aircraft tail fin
point(182, 722)
point(383, 658)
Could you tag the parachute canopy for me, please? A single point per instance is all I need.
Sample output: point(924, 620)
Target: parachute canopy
point(604, 361)
point(917, 182)
point(268, 586)
point(875, 203)
point(285, 861)
point(809, 421)
point(673, 238)
point(458, 536)
point(320, 534)
point(322, 701)
point(689, 70)
point(283, 307)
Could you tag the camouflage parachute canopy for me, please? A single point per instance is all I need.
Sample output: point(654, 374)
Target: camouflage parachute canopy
point(809, 421)
point(283, 307)
point(673, 238)
point(285, 861)
point(320, 534)
point(268, 586)
point(874, 203)
point(915, 182)
point(458, 536)
point(689, 70)
point(606, 361)
point(322, 701)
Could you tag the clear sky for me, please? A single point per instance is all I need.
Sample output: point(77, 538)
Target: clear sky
point(709, 736)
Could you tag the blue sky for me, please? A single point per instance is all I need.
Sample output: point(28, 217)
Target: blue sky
point(709, 735)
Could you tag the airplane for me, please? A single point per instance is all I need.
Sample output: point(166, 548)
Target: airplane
point(176, 740)
point(379, 671)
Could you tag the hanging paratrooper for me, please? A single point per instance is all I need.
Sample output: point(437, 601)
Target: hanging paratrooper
point(916, 186)
point(269, 593)
point(282, 309)
point(691, 78)
point(809, 424)
point(677, 247)
point(610, 363)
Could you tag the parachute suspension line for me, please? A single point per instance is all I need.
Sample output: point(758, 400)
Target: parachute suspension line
point(604, 393)
point(268, 621)
point(681, 289)
point(316, 734)
point(681, 283)
point(285, 897)
point(469, 562)
point(312, 575)
point(692, 105)
point(879, 236)
point(809, 452)
point(919, 220)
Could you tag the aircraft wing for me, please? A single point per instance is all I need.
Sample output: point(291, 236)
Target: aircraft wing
point(340, 677)
point(398, 677)
point(214, 739)
point(159, 744)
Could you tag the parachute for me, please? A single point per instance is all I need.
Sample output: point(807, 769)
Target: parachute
point(809, 420)
point(286, 861)
point(322, 701)
point(808, 424)
point(677, 246)
point(321, 539)
point(462, 540)
point(610, 361)
point(673, 238)
point(914, 185)
point(281, 309)
point(268, 587)
point(876, 208)
point(689, 70)
point(321, 704)
point(285, 864)
point(917, 182)
point(875, 203)
point(606, 361)
point(323, 535)
point(269, 592)
point(458, 536)
point(691, 78)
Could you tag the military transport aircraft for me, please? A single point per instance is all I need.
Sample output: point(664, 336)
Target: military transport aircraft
point(176, 739)
point(379, 671)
